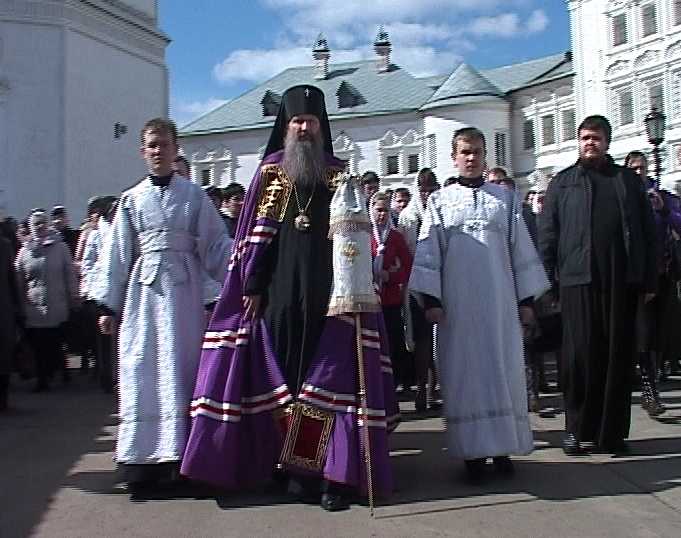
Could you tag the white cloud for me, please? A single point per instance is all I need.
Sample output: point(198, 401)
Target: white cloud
point(426, 61)
point(537, 22)
point(420, 45)
point(417, 33)
point(182, 112)
point(256, 65)
point(509, 25)
point(503, 25)
point(260, 64)
point(345, 22)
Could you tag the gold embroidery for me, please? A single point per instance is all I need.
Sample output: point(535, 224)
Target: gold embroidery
point(333, 177)
point(350, 250)
point(275, 192)
point(296, 415)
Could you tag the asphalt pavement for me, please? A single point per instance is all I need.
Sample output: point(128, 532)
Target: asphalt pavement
point(57, 480)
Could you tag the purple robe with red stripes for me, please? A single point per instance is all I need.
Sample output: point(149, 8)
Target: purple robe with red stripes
point(235, 440)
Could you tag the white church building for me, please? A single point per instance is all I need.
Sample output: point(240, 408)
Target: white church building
point(625, 58)
point(77, 81)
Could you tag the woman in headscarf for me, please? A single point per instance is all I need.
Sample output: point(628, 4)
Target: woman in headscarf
point(48, 286)
point(392, 267)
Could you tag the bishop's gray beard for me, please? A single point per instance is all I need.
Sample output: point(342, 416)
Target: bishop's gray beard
point(304, 160)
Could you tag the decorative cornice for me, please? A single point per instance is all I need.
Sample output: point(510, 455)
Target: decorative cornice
point(120, 24)
point(648, 57)
point(124, 13)
point(673, 50)
point(131, 11)
point(617, 68)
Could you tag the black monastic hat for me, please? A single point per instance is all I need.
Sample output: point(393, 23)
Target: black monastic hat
point(297, 100)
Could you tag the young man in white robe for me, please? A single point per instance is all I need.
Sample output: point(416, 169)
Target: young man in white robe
point(166, 236)
point(478, 273)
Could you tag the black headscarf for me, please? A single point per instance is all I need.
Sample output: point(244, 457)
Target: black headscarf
point(297, 100)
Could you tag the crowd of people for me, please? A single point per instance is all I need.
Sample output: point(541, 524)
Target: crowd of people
point(50, 311)
point(230, 322)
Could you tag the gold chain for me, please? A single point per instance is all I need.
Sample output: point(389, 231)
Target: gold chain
point(302, 211)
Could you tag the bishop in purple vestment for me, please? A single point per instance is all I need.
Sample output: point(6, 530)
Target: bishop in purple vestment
point(271, 342)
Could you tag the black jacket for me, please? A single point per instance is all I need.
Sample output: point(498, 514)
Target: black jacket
point(564, 227)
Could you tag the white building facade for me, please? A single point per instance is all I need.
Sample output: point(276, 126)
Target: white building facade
point(625, 58)
point(630, 65)
point(77, 81)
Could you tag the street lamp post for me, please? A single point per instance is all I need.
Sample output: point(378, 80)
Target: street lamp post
point(655, 128)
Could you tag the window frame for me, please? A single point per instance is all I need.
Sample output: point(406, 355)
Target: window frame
point(627, 90)
point(501, 148)
point(388, 159)
point(656, 20)
point(544, 143)
point(613, 26)
point(206, 177)
point(533, 135)
point(411, 170)
point(572, 135)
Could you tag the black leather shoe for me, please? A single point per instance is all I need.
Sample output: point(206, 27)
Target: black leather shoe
point(503, 465)
point(475, 470)
point(571, 445)
point(332, 502)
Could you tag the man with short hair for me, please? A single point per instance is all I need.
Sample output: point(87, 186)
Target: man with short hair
point(370, 183)
point(165, 237)
point(478, 273)
point(100, 343)
point(400, 200)
point(273, 338)
point(60, 222)
point(232, 202)
point(597, 239)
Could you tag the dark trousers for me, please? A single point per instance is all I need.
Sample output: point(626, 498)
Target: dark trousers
point(105, 362)
point(90, 332)
point(49, 353)
point(4, 391)
point(392, 315)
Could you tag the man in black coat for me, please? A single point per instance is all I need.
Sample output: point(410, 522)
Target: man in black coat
point(595, 237)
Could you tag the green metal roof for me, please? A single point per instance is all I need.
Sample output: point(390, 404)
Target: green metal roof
point(395, 90)
point(464, 82)
point(510, 78)
point(392, 92)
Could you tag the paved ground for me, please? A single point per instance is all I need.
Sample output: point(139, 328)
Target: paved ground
point(56, 480)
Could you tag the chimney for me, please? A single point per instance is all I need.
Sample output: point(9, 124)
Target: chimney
point(321, 55)
point(383, 48)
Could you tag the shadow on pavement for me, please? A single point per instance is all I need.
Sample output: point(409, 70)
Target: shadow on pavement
point(41, 438)
point(424, 472)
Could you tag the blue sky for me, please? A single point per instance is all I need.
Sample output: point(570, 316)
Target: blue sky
point(221, 48)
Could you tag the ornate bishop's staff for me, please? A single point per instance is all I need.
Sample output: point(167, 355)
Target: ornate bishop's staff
point(353, 289)
point(365, 412)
